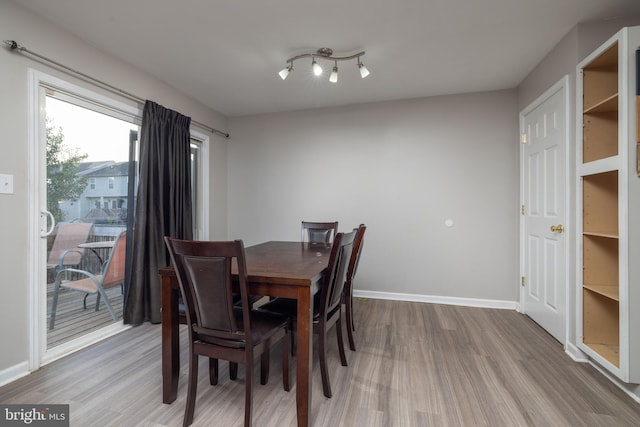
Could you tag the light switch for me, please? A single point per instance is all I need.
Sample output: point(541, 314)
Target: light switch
point(6, 184)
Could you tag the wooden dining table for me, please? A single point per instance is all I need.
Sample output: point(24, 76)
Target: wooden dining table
point(276, 269)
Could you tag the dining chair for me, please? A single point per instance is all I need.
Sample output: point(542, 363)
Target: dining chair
point(327, 304)
point(348, 287)
point(318, 232)
point(218, 329)
point(113, 274)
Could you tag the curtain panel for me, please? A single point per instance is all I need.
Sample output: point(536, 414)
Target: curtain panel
point(163, 206)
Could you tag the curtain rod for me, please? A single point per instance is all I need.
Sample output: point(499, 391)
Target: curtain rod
point(14, 46)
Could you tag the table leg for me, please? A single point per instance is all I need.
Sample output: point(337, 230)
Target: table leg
point(170, 339)
point(304, 353)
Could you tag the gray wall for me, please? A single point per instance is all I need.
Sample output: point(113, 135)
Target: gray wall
point(403, 168)
point(41, 37)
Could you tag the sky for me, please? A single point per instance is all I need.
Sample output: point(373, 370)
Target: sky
point(100, 136)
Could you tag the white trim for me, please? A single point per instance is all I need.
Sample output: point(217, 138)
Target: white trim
point(13, 373)
point(560, 85)
point(633, 390)
point(436, 299)
point(37, 80)
point(83, 341)
point(203, 184)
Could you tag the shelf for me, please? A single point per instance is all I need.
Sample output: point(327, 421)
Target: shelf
point(600, 203)
point(601, 329)
point(607, 105)
point(600, 81)
point(599, 135)
point(608, 352)
point(600, 261)
point(611, 292)
point(605, 234)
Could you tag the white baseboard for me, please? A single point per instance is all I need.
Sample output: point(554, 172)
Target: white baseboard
point(434, 299)
point(633, 390)
point(575, 353)
point(13, 373)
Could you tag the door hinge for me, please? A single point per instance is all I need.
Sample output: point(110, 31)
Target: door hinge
point(522, 281)
point(523, 138)
point(523, 209)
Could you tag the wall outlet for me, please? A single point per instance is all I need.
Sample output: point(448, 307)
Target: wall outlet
point(6, 184)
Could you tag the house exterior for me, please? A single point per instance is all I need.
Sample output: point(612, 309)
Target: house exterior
point(104, 200)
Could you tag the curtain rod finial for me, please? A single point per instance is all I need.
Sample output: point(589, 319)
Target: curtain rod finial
point(11, 44)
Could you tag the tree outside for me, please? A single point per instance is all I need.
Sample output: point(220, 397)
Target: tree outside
point(63, 183)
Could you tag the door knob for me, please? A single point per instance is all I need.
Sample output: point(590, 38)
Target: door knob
point(557, 228)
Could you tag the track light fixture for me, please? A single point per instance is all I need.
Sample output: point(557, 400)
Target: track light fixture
point(325, 53)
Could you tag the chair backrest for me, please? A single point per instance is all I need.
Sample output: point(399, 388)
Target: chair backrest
point(204, 271)
point(333, 286)
point(113, 270)
point(355, 254)
point(318, 232)
point(68, 237)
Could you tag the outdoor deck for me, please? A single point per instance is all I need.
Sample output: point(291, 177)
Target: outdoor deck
point(73, 321)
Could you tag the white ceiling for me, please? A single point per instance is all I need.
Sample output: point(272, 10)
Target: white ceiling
point(227, 54)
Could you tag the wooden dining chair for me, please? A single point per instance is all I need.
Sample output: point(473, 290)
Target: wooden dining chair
point(327, 307)
point(348, 287)
point(318, 232)
point(218, 329)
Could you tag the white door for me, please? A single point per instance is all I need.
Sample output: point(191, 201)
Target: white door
point(543, 127)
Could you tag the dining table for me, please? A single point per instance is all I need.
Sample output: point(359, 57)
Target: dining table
point(274, 269)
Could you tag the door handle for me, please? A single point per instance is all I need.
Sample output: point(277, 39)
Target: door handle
point(45, 233)
point(557, 228)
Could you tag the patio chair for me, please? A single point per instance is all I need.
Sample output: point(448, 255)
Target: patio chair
point(89, 283)
point(65, 251)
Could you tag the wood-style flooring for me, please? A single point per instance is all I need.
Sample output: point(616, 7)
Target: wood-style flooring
point(416, 365)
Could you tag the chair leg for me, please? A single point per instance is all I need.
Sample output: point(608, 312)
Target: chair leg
point(248, 391)
point(350, 323)
point(191, 389)
point(106, 302)
point(213, 371)
point(286, 343)
point(322, 349)
point(264, 367)
point(54, 305)
point(233, 370)
point(343, 358)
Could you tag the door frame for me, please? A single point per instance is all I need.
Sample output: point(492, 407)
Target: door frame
point(36, 134)
point(560, 85)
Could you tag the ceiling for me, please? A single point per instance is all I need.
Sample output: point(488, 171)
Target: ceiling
point(227, 54)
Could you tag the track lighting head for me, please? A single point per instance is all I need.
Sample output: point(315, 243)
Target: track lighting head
point(334, 74)
point(364, 72)
point(285, 71)
point(317, 69)
point(325, 53)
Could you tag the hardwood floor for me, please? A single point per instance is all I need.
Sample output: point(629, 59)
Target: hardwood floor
point(416, 365)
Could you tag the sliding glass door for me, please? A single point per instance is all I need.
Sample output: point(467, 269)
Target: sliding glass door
point(90, 186)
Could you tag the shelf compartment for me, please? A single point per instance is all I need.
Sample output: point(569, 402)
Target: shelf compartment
point(600, 78)
point(600, 136)
point(611, 292)
point(601, 328)
point(600, 261)
point(607, 105)
point(600, 203)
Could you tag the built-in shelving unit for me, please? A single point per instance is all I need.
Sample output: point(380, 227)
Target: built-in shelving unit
point(608, 294)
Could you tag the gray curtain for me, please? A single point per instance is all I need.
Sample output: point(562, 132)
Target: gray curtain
point(163, 206)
